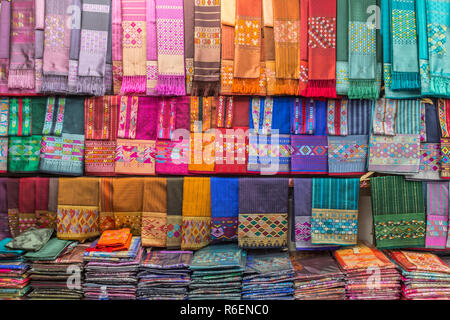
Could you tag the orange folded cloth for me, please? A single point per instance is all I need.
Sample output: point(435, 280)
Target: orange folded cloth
point(113, 240)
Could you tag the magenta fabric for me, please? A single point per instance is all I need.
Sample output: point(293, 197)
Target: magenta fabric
point(146, 119)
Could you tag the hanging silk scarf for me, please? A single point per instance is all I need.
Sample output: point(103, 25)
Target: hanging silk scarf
point(334, 217)
point(54, 116)
point(384, 117)
point(445, 159)
point(231, 150)
point(405, 144)
point(433, 133)
point(362, 59)
point(135, 157)
point(3, 155)
point(224, 209)
point(321, 49)
point(303, 116)
point(359, 116)
point(405, 70)
point(101, 117)
point(274, 85)
point(270, 114)
point(12, 186)
point(154, 215)
point(286, 32)
point(146, 118)
point(21, 62)
point(44, 219)
point(74, 51)
point(5, 33)
point(20, 117)
point(207, 45)
point(342, 48)
point(437, 49)
point(228, 22)
point(263, 207)
point(430, 162)
point(202, 153)
point(50, 216)
point(247, 47)
point(106, 215)
point(134, 46)
point(38, 113)
point(196, 227)
point(188, 11)
point(309, 153)
point(347, 155)
point(304, 65)
point(127, 203)
point(108, 79)
point(27, 204)
point(398, 212)
point(4, 117)
point(93, 47)
point(387, 31)
point(117, 33)
point(4, 224)
point(152, 48)
point(62, 155)
point(437, 214)
point(128, 112)
point(172, 149)
point(337, 117)
point(39, 41)
point(302, 202)
point(78, 211)
point(423, 54)
point(174, 212)
point(24, 153)
point(269, 154)
point(203, 113)
point(56, 46)
point(170, 32)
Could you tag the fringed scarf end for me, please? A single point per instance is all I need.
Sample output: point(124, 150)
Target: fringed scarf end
point(171, 85)
point(286, 87)
point(440, 86)
point(91, 85)
point(320, 89)
point(245, 86)
point(205, 89)
point(21, 79)
point(54, 84)
point(405, 81)
point(363, 89)
point(134, 84)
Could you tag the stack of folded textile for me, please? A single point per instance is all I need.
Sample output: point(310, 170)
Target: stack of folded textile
point(14, 276)
point(217, 273)
point(58, 278)
point(268, 275)
point(112, 275)
point(164, 275)
point(317, 278)
point(370, 275)
point(424, 275)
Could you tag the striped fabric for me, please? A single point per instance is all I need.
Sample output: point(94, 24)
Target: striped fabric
point(408, 120)
point(384, 117)
point(334, 211)
point(337, 117)
point(437, 214)
point(398, 211)
point(303, 117)
point(444, 117)
point(359, 116)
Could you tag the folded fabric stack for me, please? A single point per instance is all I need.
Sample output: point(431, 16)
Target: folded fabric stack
point(369, 274)
point(58, 278)
point(14, 275)
point(112, 275)
point(217, 273)
point(424, 275)
point(317, 278)
point(164, 275)
point(268, 275)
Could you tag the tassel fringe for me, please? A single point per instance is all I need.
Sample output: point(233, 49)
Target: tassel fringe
point(54, 84)
point(171, 85)
point(205, 89)
point(440, 86)
point(320, 89)
point(363, 89)
point(133, 84)
point(405, 81)
point(21, 79)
